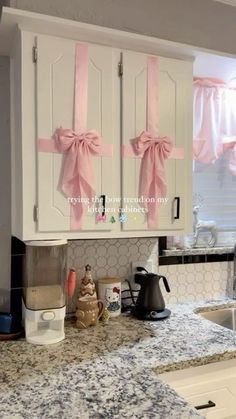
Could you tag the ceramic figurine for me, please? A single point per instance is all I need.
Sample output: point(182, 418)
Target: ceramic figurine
point(88, 312)
point(113, 299)
point(200, 226)
point(109, 291)
point(87, 288)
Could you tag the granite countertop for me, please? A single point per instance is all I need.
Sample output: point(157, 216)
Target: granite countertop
point(218, 250)
point(112, 370)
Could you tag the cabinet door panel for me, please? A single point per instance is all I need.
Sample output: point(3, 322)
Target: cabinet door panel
point(221, 391)
point(55, 102)
point(174, 115)
point(212, 382)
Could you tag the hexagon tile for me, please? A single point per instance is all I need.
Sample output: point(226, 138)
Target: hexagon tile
point(199, 281)
point(110, 257)
point(113, 257)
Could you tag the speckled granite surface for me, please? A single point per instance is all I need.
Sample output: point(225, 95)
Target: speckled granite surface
point(199, 251)
point(110, 371)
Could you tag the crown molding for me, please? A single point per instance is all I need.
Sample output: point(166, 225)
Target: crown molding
point(13, 19)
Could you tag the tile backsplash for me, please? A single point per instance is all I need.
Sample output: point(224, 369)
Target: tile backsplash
point(198, 281)
point(113, 257)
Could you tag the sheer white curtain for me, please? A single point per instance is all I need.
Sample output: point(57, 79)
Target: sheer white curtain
point(214, 120)
point(214, 151)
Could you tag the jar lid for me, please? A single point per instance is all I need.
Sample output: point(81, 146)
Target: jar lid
point(108, 280)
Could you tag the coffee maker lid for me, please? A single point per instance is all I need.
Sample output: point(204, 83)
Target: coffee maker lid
point(45, 242)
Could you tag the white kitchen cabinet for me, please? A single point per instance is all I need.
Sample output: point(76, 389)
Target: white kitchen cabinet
point(174, 113)
point(55, 96)
point(42, 100)
point(200, 386)
point(46, 89)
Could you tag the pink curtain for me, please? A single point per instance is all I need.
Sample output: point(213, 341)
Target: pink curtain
point(214, 121)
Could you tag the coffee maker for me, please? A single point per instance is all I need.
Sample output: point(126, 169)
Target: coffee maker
point(150, 304)
point(44, 282)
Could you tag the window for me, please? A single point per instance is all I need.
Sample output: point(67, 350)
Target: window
point(214, 149)
point(214, 187)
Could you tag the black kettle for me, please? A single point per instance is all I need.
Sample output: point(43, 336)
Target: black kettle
point(150, 304)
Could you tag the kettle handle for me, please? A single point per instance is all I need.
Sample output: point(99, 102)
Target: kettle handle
point(166, 283)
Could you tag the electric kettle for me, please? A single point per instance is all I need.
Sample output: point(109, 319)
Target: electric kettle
point(150, 304)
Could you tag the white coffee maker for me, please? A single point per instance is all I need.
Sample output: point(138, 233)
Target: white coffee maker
point(44, 298)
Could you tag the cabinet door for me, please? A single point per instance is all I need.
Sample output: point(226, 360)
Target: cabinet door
point(55, 102)
point(212, 382)
point(175, 116)
point(220, 391)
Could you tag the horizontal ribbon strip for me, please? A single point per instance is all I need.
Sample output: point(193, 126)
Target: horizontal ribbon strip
point(51, 146)
point(128, 151)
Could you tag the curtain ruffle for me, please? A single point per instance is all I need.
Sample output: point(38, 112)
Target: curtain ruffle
point(214, 121)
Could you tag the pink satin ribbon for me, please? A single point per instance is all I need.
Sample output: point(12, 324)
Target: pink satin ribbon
point(77, 175)
point(153, 149)
point(152, 183)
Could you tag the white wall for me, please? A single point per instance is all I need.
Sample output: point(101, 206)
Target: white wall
point(5, 187)
point(204, 23)
point(207, 65)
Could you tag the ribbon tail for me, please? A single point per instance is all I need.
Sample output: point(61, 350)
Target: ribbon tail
point(157, 189)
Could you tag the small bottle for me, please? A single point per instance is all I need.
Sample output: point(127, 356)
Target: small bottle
point(87, 287)
point(71, 282)
point(106, 315)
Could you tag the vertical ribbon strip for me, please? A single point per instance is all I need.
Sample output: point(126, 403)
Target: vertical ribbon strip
point(81, 88)
point(78, 146)
point(153, 149)
point(152, 95)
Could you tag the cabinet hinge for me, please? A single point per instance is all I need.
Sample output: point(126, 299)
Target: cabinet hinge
point(35, 213)
point(35, 54)
point(120, 69)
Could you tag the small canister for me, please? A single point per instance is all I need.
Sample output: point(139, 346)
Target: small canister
point(109, 291)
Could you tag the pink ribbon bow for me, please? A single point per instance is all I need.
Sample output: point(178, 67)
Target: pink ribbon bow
point(152, 183)
point(77, 178)
point(77, 174)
